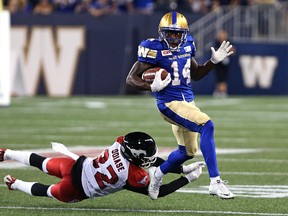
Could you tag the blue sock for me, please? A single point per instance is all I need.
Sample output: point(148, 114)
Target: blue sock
point(208, 149)
point(175, 159)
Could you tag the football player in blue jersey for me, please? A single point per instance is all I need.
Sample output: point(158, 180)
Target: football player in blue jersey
point(174, 51)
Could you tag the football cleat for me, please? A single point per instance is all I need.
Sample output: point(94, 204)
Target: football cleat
point(2, 152)
point(193, 175)
point(154, 184)
point(186, 169)
point(220, 189)
point(9, 180)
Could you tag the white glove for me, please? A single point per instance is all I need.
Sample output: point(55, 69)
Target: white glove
point(193, 175)
point(193, 166)
point(223, 51)
point(158, 84)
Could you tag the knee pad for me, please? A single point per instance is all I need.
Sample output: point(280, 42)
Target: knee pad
point(191, 152)
point(208, 126)
point(182, 150)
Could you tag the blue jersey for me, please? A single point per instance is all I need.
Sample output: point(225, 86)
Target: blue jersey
point(177, 63)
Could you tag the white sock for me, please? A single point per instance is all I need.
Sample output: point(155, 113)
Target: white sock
point(44, 165)
point(49, 191)
point(21, 156)
point(214, 179)
point(22, 186)
point(158, 173)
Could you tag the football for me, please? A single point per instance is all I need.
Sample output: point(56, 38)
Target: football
point(149, 75)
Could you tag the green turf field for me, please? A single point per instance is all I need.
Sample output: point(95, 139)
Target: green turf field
point(251, 135)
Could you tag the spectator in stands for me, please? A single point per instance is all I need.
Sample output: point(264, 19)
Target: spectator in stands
point(216, 6)
point(200, 6)
point(33, 3)
point(83, 6)
point(161, 5)
point(144, 6)
point(18, 6)
point(95, 8)
point(222, 68)
point(13, 6)
point(64, 6)
point(44, 7)
point(170, 5)
point(123, 6)
point(100, 8)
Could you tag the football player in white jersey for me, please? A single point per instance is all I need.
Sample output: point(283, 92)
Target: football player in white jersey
point(174, 51)
point(121, 166)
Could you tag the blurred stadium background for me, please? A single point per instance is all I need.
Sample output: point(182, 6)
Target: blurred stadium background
point(69, 53)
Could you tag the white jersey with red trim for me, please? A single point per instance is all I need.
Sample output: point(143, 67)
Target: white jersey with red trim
point(109, 172)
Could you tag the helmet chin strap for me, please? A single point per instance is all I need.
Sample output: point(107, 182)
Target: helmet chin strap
point(173, 49)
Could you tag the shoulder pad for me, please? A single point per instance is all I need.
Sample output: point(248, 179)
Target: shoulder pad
point(190, 38)
point(137, 177)
point(152, 43)
point(190, 41)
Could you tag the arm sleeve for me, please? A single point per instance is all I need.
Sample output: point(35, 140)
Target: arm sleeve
point(172, 186)
point(164, 189)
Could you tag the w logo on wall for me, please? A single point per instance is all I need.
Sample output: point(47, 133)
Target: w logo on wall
point(42, 52)
point(4, 58)
point(258, 70)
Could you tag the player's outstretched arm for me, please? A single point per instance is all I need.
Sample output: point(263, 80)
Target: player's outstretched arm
point(200, 71)
point(164, 189)
point(171, 187)
point(182, 181)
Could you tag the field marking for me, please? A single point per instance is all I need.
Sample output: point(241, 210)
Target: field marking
point(92, 151)
point(251, 191)
point(256, 173)
point(247, 160)
point(146, 211)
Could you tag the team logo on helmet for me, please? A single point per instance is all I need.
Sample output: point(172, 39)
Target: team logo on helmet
point(139, 148)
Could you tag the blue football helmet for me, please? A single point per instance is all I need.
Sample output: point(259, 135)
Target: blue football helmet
point(173, 29)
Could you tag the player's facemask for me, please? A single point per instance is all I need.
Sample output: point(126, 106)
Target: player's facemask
point(173, 29)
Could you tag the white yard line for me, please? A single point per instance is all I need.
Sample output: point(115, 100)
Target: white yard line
point(251, 191)
point(95, 151)
point(145, 211)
